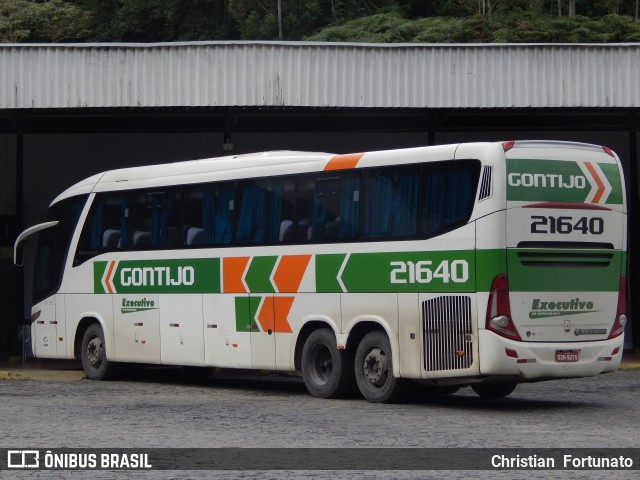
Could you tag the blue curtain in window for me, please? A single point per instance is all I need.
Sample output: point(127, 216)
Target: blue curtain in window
point(349, 208)
point(448, 196)
point(223, 217)
point(252, 218)
point(275, 210)
point(405, 204)
point(435, 201)
point(217, 216)
point(161, 211)
point(318, 219)
point(209, 217)
point(378, 206)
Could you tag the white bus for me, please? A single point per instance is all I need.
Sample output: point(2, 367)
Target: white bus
point(480, 264)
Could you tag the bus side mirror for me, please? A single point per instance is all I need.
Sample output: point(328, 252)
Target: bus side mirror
point(18, 247)
point(18, 255)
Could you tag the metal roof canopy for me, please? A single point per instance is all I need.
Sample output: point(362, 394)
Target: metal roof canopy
point(310, 74)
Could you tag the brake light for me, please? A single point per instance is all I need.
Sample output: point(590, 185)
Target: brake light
point(621, 312)
point(608, 151)
point(506, 146)
point(499, 310)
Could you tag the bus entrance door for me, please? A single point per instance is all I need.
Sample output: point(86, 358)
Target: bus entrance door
point(45, 338)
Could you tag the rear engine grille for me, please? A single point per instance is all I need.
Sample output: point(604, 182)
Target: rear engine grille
point(448, 340)
point(554, 255)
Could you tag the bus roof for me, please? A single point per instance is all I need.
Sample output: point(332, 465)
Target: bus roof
point(273, 163)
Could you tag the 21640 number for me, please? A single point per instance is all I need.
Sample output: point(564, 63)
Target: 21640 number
point(566, 225)
point(456, 271)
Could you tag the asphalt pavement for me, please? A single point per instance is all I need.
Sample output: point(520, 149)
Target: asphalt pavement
point(17, 368)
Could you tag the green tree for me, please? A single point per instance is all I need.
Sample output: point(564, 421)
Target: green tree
point(159, 20)
point(44, 21)
point(258, 19)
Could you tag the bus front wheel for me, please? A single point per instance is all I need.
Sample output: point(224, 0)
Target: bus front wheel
point(94, 355)
point(327, 371)
point(374, 369)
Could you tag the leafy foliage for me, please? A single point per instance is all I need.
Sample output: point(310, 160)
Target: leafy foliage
point(507, 28)
point(258, 19)
point(159, 20)
point(51, 21)
point(430, 21)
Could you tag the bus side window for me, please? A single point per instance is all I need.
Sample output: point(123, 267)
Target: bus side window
point(391, 202)
point(218, 202)
point(335, 210)
point(105, 228)
point(191, 231)
point(265, 211)
point(154, 220)
point(304, 201)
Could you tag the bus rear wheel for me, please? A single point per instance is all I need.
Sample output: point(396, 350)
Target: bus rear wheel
point(94, 355)
point(494, 390)
point(374, 369)
point(327, 371)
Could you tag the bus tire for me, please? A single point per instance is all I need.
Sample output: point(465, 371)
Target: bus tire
point(494, 390)
point(374, 369)
point(327, 371)
point(94, 355)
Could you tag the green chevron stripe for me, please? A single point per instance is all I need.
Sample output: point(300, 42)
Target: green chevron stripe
point(257, 276)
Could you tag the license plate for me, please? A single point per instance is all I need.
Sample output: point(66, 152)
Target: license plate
point(567, 355)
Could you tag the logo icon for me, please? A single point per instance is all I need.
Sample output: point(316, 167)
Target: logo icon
point(23, 459)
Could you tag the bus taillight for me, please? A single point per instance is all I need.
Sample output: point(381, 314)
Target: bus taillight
point(499, 310)
point(506, 146)
point(621, 312)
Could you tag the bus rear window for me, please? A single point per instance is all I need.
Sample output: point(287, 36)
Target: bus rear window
point(449, 190)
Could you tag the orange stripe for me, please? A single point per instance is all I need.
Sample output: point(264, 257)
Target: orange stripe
point(601, 187)
point(343, 162)
point(232, 271)
point(290, 272)
point(108, 277)
point(265, 315)
point(282, 306)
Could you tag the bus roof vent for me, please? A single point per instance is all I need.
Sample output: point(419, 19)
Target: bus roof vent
point(485, 184)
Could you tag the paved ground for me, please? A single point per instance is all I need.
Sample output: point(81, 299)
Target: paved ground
point(68, 370)
point(158, 408)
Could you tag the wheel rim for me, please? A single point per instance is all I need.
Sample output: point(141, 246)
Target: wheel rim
point(376, 367)
point(93, 353)
point(321, 363)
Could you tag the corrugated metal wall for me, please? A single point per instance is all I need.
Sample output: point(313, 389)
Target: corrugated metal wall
point(319, 75)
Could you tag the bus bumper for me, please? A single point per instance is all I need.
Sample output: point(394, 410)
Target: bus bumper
point(534, 360)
